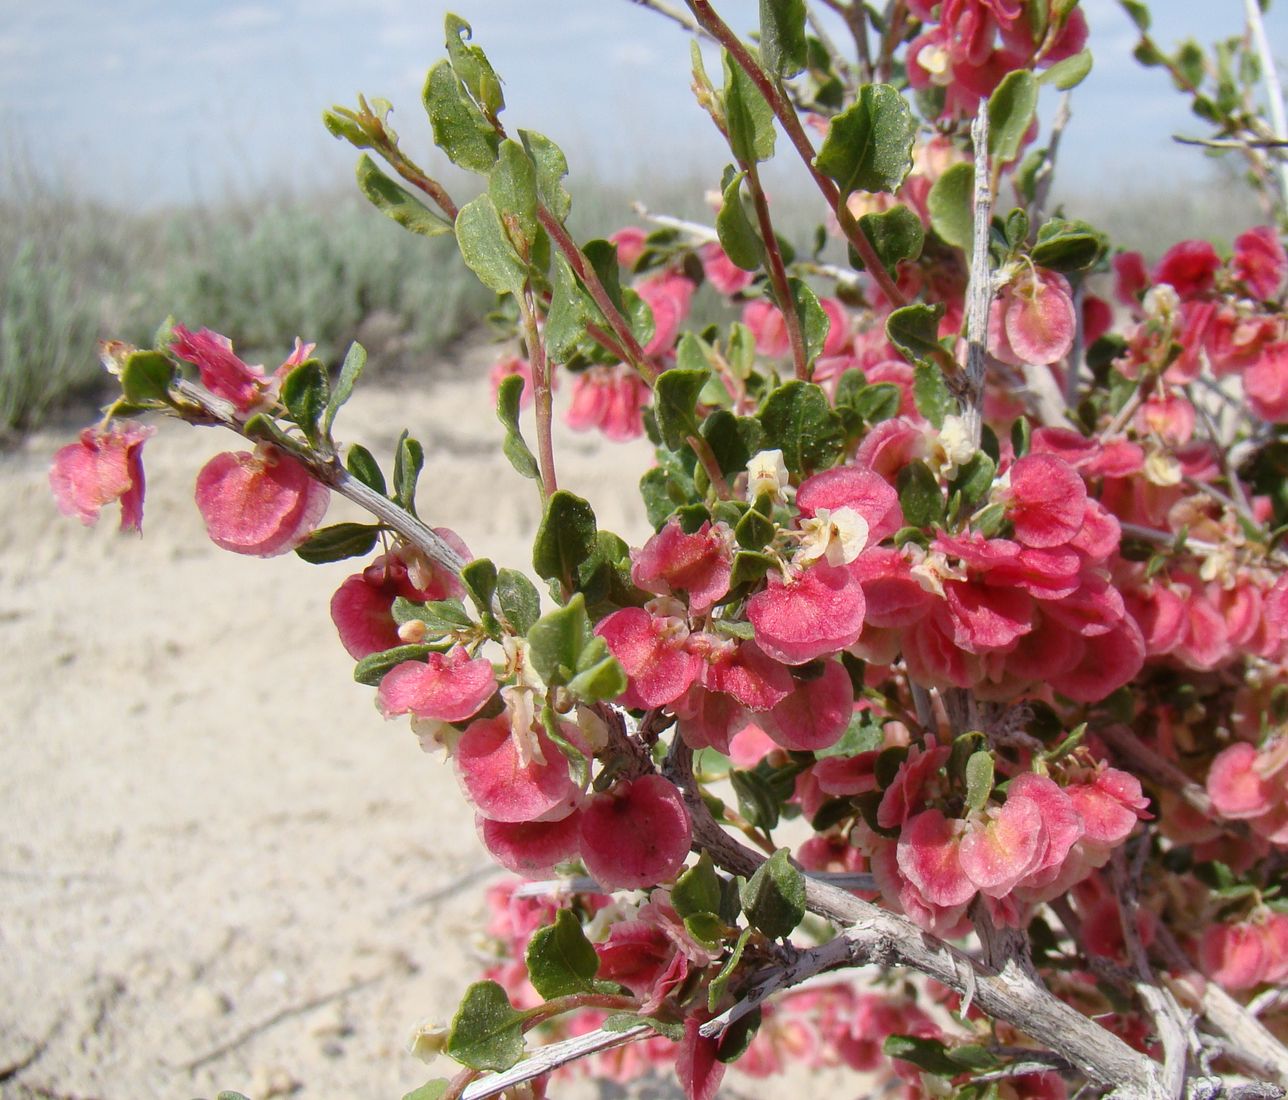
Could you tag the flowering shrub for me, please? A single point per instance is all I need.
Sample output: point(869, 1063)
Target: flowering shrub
point(966, 576)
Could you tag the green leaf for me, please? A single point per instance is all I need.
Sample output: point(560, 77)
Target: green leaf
point(716, 991)
point(305, 393)
point(409, 460)
point(814, 321)
point(979, 779)
point(738, 237)
point(869, 146)
point(749, 567)
point(337, 542)
point(896, 235)
point(749, 118)
point(1010, 113)
point(738, 1035)
point(774, 897)
point(754, 531)
point(798, 420)
point(342, 123)
point(861, 735)
point(439, 616)
point(509, 394)
point(392, 201)
point(877, 402)
point(565, 538)
point(372, 668)
point(486, 249)
point(556, 640)
point(146, 377)
point(560, 959)
point(551, 167)
point(675, 400)
point(460, 128)
point(471, 65)
point(1138, 12)
point(914, 331)
point(571, 309)
point(920, 496)
point(600, 676)
point(951, 204)
point(486, 1030)
point(1068, 73)
point(355, 360)
point(362, 465)
point(757, 801)
point(430, 1090)
point(479, 577)
point(697, 890)
point(928, 1054)
point(518, 599)
point(974, 478)
point(782, 36)
point(512, 187)
point(624, 1021)
point(932, 395)
point(1068, 246)
point(733, 439)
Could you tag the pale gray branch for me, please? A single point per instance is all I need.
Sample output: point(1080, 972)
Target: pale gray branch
point(547, 1058)
point(1274, 92)
point(979, 292)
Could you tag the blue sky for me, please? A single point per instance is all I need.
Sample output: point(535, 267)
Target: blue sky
point(141, 101)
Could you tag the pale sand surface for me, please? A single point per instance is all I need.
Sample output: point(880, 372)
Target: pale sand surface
point(219, 866)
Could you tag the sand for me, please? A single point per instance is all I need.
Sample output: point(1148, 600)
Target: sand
point(220, 868)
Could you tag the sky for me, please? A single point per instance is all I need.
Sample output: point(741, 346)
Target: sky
point(144, 102)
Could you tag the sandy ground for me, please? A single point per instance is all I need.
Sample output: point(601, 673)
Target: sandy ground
point(219, 867)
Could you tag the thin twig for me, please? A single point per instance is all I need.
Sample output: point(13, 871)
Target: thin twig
point(777, 272)
point(548, 1058)
point(786, 114)
point(672, 13)
point(979, 292)
point(543, 404)
point(1170, 1022)
point(837, 952)
point(1045, 175)
point(1274, 92)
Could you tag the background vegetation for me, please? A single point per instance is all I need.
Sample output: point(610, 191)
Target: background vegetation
point(329, 268)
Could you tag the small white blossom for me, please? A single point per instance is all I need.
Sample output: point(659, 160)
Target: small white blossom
point(954, 447)
point(766, 473)
point(931, 569)
point(434, 735)
point(429, 1040)
point(1161, 302)
point(839, 536)
point(1162, 469)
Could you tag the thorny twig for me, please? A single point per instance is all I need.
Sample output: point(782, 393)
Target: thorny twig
point(979, 292)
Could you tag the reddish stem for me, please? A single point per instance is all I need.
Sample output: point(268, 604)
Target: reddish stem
point(778, 273)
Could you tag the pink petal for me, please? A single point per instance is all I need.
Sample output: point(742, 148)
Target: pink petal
point(530, 848)
point(502, 788)
point(816, 713)
point(636, 834)
point(263, 504)
point(449, 688)
point(816, 613)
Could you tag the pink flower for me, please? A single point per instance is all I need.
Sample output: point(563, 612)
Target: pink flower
point(630, 244)
point(699, 564)
point(816, 713)
point(222, 372)
point(506, 783)
point(818, 611)
point(1266, 384)
point(102, 466)
point(722, 273)
point(448, 688)
point(1046, 501)
point(1189, 267)
point(768, 327)
point(636, 834)
point(1260, 262)
point(652, 652)
point(362, 606)
point(1032, 320)
point(530, 848)
point(513, 364)
point(610, 399)
point(668, 295)
point(263, 504)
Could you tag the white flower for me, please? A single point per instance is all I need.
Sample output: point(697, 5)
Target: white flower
point(954, 447)
point(839, 536)
point(1162, 469)
point(429, 1040)
point(766, 473)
